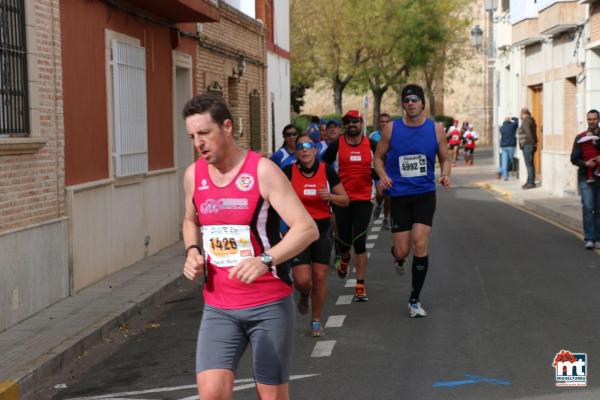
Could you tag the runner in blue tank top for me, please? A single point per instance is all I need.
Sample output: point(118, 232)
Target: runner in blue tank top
point(405, 163)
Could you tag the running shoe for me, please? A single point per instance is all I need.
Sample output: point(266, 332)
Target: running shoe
point(597, 245)
point(416, 311)
point(316, 329)
point(399, 264)
point(377, 211)
point(360, 293)
point(342, 268)
point(302, 303)
point(588, 244)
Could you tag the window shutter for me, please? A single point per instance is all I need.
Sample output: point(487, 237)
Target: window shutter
point(130, 114)
point(255, 137)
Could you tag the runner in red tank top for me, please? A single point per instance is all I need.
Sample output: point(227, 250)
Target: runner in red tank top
point(354, 154)
point(228, 192)
point(317, 185)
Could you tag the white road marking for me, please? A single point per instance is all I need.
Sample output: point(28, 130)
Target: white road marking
point(323, 348)
point(376, 229)
point(343, 300)
point(372, 237)
point(370, 245)
point(378, 222)
point(368, 254)
point(248, 383)
point(335, 321)
point(350, 283)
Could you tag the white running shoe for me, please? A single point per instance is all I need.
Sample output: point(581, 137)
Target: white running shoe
point(416, 311)
point(589, 244)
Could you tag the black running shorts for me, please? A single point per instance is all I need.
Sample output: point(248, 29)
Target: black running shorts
point(413, 209)
point(319, 251)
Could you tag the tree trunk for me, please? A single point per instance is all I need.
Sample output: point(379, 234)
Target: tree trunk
point(377, 98)
point(338, 90)
point(431, 100)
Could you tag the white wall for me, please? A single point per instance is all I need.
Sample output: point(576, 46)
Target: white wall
point(522, 9)
point(278, 81)
point(281, 19)
point(104, 215)
point(278, 76)
point(34, 269)
point(248, 7)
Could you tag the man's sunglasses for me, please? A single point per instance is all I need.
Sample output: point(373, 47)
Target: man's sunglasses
point(305, 145)
point(290, 133)
point(352, 121)
point(411, 99)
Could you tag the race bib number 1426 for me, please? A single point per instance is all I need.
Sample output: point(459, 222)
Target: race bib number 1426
point(227, 245)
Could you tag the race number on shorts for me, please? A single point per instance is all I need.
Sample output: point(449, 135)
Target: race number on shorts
point(412, 165)
point(227, 245)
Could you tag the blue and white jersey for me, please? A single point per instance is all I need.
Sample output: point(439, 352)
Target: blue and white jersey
point(410, 160)
point(283, 158)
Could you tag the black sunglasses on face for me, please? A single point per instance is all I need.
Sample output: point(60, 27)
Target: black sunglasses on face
point(352, 121)
point(290, 133)
point(411, 99)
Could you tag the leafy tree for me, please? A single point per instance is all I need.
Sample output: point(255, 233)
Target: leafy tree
point(328, 40)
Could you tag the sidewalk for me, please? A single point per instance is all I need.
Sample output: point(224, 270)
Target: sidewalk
point(38, 347)
point(565, 211)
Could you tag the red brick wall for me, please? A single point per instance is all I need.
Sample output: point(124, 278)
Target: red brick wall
point(32, 185)
point(235, 34)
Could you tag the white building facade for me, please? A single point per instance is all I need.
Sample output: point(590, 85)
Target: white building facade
point(541, 63)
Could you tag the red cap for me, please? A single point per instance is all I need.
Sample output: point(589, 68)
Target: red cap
point(352, 114)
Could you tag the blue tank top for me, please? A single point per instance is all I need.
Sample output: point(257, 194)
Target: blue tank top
point(410, 160)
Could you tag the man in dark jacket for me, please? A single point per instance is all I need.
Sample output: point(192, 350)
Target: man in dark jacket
point(528, 143)
point(589, 191)
point(508, 145)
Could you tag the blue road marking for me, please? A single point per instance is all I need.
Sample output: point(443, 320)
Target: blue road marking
point(471, 379)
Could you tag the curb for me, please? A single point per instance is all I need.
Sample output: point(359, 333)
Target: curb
point(537, 208)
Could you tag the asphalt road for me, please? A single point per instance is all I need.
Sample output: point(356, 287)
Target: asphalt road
point(505, 292)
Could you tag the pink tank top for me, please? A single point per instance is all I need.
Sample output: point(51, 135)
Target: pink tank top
point(234, 221)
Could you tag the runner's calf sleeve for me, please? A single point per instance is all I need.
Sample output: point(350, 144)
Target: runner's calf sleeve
point(419, 271)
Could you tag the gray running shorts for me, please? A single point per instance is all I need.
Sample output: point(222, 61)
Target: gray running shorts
point(269, 329)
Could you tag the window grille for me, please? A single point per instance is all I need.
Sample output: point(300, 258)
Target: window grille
point(14, 98)
point(130, 114)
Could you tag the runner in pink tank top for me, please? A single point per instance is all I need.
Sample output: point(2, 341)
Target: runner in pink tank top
point(228, 195)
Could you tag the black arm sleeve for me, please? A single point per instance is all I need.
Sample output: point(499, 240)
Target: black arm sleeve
point(288, 171)
point(332, 177)
point(373, 144)
point(330, 154)
point(577, 154)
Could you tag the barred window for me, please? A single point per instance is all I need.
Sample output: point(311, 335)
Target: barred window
point(14, 101)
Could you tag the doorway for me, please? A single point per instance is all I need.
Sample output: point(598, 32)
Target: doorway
point(537, 112)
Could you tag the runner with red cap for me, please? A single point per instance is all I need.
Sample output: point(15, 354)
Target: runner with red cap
point(354, 154)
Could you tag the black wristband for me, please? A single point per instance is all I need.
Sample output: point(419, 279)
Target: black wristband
point(194, 246)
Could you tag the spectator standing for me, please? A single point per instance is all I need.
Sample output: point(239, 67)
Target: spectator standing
point(528, 144)
point(508, 145)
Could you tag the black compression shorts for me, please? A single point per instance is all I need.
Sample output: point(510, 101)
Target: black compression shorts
point(413, 209)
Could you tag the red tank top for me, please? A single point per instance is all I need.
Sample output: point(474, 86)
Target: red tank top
point(355, 163)
point(307, 191)
point(233, 220)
